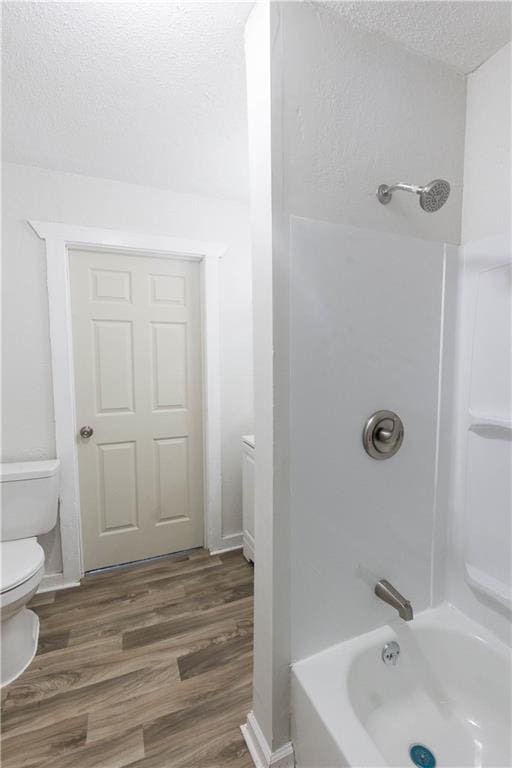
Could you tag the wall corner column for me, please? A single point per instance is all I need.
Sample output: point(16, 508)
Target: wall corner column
point(267, 731)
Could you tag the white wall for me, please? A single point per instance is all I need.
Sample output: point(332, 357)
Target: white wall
point(267, 730)
point(28, 429)
point(480, 524)
point(487, 160)
point(360, 110)
point(366, 326)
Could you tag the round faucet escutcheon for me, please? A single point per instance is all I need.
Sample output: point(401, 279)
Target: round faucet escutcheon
point(383, 434)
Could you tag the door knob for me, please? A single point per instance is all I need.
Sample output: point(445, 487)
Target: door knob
point(86, 432)
point(383, 434)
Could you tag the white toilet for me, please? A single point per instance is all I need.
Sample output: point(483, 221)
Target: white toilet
point(30, 492)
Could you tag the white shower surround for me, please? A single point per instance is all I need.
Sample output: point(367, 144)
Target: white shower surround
point(486, 238)
point(470, 557)
point(351, 290)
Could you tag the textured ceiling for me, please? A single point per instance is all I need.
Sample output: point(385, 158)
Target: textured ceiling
point(462, 34)
point(148, 93)
point(154, 93)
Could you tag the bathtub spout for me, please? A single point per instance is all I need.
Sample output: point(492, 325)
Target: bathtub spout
point(389, 594)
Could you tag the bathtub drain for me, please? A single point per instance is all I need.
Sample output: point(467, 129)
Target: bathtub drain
point(422, 757)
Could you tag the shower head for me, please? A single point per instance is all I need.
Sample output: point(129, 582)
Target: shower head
point(432, 196)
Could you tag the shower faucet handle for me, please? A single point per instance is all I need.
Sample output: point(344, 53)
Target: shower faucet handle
point(383, 434)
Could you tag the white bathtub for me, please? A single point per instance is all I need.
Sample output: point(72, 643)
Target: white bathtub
point(450, 691)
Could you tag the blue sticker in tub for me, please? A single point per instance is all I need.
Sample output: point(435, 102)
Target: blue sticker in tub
point(422, 756)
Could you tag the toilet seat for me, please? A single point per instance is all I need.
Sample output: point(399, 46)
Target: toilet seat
point(21, 560)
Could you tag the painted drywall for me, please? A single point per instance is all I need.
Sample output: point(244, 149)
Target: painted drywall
point(486, 208)
point(479, 524)
point(30, 193)
point(267, 729)
point(360, 110)
point(87, 85)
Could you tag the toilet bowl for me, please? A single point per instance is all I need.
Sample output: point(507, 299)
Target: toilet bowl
point(29, 508)
point(22, 568)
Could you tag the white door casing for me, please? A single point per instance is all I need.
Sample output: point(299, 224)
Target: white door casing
point(137, 359)
point(59, 238)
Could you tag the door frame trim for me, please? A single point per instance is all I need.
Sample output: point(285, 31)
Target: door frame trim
point(59, 238)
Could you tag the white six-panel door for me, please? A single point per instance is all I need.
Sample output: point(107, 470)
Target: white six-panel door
point(137, 358)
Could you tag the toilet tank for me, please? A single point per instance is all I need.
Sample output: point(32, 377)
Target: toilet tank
point(30, 498)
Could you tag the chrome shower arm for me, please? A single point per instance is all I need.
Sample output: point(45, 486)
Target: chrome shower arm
point(404, 187)
point(385, 191)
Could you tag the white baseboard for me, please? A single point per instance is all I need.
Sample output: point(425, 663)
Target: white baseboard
point(223, 551)
point(248, 541)
point(52, 582)
point(227, 544)
point(261, 754)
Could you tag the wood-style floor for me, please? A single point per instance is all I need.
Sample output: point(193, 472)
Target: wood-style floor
point(148, 666)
